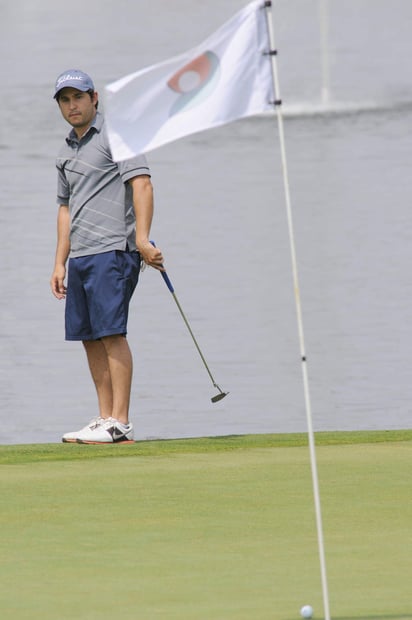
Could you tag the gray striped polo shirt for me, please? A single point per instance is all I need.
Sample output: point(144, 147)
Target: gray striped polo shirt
point(97, 192)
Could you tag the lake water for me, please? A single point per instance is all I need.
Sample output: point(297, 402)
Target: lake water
point(221, 223)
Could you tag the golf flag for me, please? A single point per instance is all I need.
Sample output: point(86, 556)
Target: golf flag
point(225, 78)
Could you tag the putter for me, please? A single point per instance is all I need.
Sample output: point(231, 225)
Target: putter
point(169, 285)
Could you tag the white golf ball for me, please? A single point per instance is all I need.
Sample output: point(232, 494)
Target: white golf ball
point(306, 611)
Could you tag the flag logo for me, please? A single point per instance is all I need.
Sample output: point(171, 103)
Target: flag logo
point(194, 82)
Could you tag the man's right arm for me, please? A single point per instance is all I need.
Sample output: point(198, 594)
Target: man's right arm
point(62, 252)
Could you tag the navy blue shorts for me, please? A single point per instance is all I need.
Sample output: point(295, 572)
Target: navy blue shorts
point(99, 289)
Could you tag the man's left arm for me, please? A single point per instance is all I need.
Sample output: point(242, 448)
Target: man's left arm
point(143, 208)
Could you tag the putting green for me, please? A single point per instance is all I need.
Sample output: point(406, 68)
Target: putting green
point(194, 530)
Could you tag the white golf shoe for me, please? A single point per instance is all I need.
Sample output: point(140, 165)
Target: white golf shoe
point(106, 431)
point(73, 436)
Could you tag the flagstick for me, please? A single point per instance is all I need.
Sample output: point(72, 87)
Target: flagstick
point(272, 52)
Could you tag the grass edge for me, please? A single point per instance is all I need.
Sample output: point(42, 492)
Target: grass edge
point(30, 453)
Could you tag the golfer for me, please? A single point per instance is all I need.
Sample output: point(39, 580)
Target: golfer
point(103, 224)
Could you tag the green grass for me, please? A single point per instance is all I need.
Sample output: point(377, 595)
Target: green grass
point(27, 453)
point(206, 529)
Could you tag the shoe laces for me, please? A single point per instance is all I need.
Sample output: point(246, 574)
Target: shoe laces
point(95, 422)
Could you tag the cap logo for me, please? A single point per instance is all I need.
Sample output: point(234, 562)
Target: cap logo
point(69, 76)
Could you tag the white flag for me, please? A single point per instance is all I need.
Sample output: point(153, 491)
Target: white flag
point(225, 78)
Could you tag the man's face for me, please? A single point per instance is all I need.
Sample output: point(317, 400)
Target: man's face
point(78, 108)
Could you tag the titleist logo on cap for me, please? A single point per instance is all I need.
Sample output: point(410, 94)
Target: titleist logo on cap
point(70, 76)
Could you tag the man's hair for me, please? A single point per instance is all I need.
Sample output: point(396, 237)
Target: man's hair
point(89, 92)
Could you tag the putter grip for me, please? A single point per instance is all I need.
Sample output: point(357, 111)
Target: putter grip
point(167, 280)
point(165, 276)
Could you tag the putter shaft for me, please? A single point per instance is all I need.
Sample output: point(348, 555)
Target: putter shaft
point(169, 285)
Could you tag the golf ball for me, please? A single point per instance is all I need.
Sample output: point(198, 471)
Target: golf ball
point(306, 611)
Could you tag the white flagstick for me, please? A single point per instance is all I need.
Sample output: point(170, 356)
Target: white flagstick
point(272, 52)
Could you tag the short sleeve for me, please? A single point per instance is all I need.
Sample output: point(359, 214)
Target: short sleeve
point(63, 190)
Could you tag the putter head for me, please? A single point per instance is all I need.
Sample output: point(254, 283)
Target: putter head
point(219, 396)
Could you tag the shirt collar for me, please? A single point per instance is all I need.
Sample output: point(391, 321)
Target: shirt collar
point(96, 126)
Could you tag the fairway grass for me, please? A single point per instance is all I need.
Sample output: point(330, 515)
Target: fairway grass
point(206, 529)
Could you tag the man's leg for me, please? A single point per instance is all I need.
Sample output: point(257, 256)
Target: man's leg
point(120, 363)
point(111, 366)
point(100, 371)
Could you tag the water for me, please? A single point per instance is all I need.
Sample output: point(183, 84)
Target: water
point(220, 220)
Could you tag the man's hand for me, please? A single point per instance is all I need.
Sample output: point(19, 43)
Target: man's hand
point(151, 255)
point(57, 282)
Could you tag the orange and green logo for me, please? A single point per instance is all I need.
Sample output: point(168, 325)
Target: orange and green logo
point(194, 82)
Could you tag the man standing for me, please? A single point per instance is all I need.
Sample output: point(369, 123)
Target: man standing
point(103, 225)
